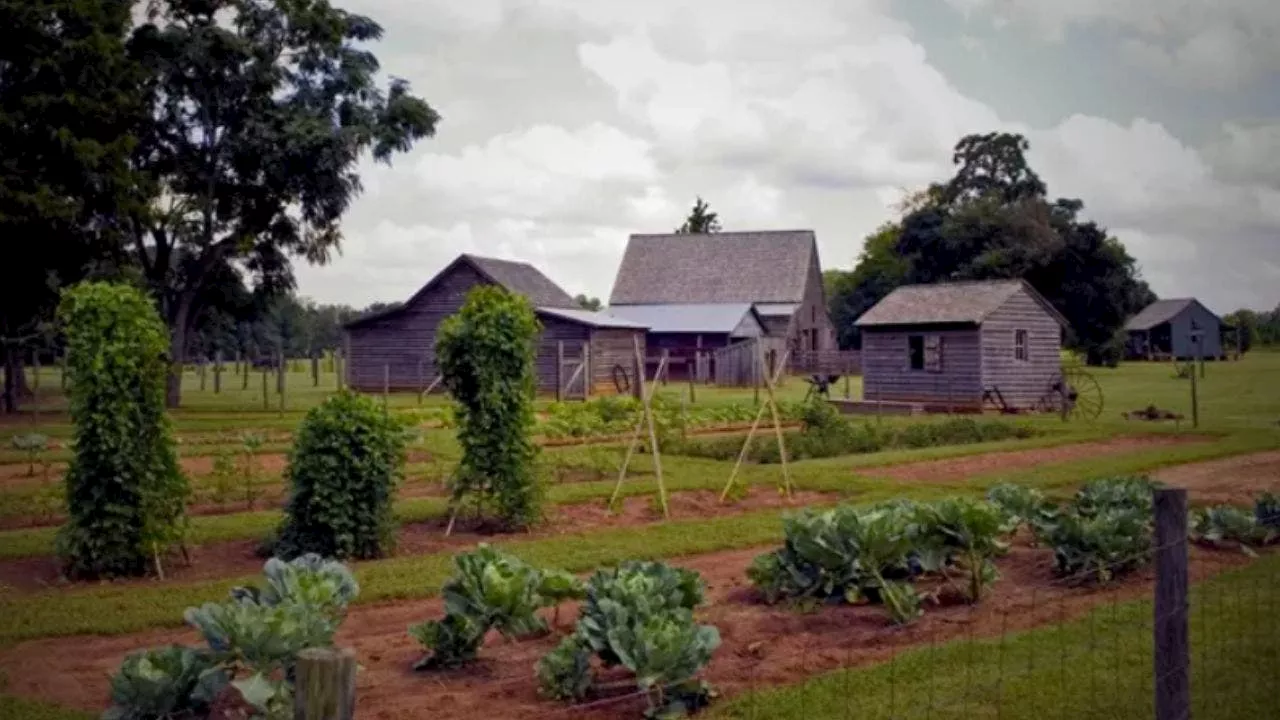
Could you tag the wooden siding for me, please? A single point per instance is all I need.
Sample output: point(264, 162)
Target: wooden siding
point(1022, 383)
point(610, 347)
point(811, 319)
point(777, 325)
point(1206, 322)
point(554, 331)
point(887, 373)
point(404, 342)
point(681, 348)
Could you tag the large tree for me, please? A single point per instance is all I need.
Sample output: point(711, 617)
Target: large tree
point(68, 103)
point(259, 113)
point(993, 219)
point(701, 220)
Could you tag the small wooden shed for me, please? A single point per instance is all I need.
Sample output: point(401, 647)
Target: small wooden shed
point(1178, 328)
point(945, 346)
point(397, 346)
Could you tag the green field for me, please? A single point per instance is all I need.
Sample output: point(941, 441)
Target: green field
point(1239, 407)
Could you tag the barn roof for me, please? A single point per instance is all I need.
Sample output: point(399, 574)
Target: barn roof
point(592, 318)
point(769, 266)
point(774, 309)
point(967, 302)
point(737, 319)
point(518, 277)
point(1159, 312)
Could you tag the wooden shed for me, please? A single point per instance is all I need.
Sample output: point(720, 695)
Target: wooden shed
point(775, 271)
point(1180, 328)
point(947, 345)
point(397, 346)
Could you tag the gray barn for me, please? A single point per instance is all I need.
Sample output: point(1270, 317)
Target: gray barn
point(400, 342)
point(1179, 328)
point(946, 346)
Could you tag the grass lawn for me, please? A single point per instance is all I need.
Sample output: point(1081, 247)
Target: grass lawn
point(1099, 666)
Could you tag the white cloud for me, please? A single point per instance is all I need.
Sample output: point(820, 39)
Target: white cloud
point(780, 113)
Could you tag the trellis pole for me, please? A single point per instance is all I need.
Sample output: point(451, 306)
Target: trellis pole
point(646, 416)
point(771, 405)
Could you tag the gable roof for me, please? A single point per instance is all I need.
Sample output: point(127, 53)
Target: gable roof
point(770, 266)
point(591, 318)
point(737, 319)
point(517, 277)
point(1162, 311)
point(965, 302)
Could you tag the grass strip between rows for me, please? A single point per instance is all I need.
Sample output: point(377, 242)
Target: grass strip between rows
point(681, 473)
point(1099, 665)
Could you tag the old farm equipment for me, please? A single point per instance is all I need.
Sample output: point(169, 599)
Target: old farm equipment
point(1075, 394)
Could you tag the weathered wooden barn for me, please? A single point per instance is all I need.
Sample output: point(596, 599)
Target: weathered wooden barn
point(1181, 328)
point(945, 346)
point(689, 333)
point(397, 346)
point(776, 272)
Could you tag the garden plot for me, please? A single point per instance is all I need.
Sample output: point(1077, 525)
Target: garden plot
point(1226, 480)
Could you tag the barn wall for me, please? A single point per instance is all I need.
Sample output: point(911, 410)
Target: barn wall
point(1206, 323)
point(554, 331)
point(681, 348)
point(405, 341)
point(1022, 383)
point(777, 325)
point(611, 347)
point(811, 327)
point(887, 373)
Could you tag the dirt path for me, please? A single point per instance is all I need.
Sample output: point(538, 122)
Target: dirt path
point(238, 557)
point(962, 468)
point(761, 645)
point(1233, 480)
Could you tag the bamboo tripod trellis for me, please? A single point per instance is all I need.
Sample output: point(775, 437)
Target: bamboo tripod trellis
point(771, 404)
point(646, 418)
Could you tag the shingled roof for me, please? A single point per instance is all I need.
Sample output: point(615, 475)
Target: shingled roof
point(768, 266)
point(518, 277)
point(1158, 312)
point(968, 303)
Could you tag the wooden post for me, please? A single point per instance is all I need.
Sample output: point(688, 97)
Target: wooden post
point(756, 369)
point(281, 380)
point(325, 687)
point(1195, 400)
point(266, 399)
point(692, 374)
point(315, 369)
point(217, 372)
point(1200, 353)
point(653, 434)
point(386, 384)
point(665, 360)
point(559, 371)
point(200, 370)
point(847, 373)
point(244, 375)
point(35, 370)
point(1172, 642)
point(586, 369)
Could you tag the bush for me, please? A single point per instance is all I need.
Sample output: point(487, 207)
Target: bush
point(486, 353)
point(346, 463)
point(1104, 532)
point(126, 498)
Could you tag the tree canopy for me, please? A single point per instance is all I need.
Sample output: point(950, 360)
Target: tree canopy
point(994, 219)
point(701, 220)
point(587, 303)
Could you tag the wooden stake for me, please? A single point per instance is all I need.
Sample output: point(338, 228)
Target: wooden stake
point(217, 372)
point(315, 370)
point(386, 384)
point(559, 371)
point(777, 423)
point(645, 414)
point(325, 686)
point(742, 454)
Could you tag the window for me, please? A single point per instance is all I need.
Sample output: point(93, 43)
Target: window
point(933, 353)
point(1020, 345)
point(915, 351)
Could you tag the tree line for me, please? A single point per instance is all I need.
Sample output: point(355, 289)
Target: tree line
point(192, 148)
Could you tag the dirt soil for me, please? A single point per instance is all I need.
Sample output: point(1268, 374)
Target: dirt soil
point(962, 468)
point(238, 557)
point(761, 645)
point(1232, 480)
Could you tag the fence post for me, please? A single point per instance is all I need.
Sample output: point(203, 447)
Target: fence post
point(386, 384)
point(217, 372)
point(1172, 644)
point(266, 398)
point(586, 369)
point(559, 370)
point(325, 688)
point(1195, 399)
point(200, 367)
point(315, 369)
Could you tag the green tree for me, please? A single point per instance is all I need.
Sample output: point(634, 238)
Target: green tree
point(587, 303)
point(878, 271)
point(346, 464)
point(1245, 323)
point(701, 220)
point(259, 111)
point(68, 103)
point(486, 353)
point(125, 494)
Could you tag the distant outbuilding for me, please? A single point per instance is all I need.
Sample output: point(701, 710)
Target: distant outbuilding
point(1178, 328)
point(947, 346)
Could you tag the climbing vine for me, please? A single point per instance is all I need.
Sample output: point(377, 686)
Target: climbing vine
point(125, 495)
point(347, 461)
point(486, 353)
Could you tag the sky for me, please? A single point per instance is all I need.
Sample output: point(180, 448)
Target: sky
point(567, 125)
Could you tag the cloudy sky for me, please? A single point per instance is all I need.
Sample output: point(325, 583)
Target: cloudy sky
point(569, 124)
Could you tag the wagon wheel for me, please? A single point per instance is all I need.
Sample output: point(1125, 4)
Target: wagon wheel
point(621, 379)
point(1081, 392)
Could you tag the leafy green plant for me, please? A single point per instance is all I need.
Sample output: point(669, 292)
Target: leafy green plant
point(970, 531)
point(1130, 493)
point(223, 478)
point(1227, 524)
point(250, 444)
point(489, 590)
point(126, 498)
point(1266, 510)
point(34, 445)
point(1021, 506)
point(640, 616)
point(347, 460)
point(1100, 546)
point(485, 354)
point(167, 683)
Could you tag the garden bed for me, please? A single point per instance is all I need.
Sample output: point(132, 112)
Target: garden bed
point(1226, 480)
point(762, 645)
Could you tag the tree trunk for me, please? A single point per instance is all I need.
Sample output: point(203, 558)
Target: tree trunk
point(15, 389)
point(178, 322)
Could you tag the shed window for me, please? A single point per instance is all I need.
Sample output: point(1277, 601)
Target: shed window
point(1020, 345)
point(915, 351)
point(925, 352)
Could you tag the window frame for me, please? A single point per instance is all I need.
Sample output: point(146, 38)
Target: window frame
point(912, 339)
point(1021, 345)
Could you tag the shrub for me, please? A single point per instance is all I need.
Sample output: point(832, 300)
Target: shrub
point(125, 496)
point(1227, 524)
point(1104, 532)
point(346, 462)
point(166, 682)
point(968, 530)
point(1020, 505)
point(486, 353)
point(639, 616)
